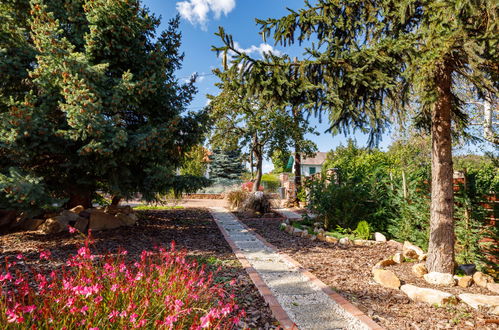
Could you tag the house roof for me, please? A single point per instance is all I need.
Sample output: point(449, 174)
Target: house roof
point(319, 159)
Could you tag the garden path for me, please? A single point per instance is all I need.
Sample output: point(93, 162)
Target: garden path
point(288, 213)
point(295, 298)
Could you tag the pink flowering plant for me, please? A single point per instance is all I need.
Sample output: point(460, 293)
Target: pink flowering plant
point(162, 289)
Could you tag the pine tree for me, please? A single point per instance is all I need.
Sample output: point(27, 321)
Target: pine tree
point(90, 102)
point(226, 165)
point(369, 59)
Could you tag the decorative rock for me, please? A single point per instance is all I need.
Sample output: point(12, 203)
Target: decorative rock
point(331, 239)
point(77, 209)
point(398, 258)
point(443, 279)
point(494, 287)
point(286, 221)
point(68, 216)
point(31, 224)
point(422, 257)
point(127, 219)
point(361, 242)
point(494, 310)
point(482, 279)
point(82, 224)
point(321, 237)
point(384, 263)
point(386, 278)
point(465, 281)
point(477, 300)
point(7, 217)
point(411, 251)
point(419, 270)
point(379, 237)
point(53, 225)
point(430, 296)
point(345, 241)
point(102, 221)
point(313, 237)
point(395, 244)
point(283, 226)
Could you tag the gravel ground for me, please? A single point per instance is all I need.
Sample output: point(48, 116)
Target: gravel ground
point(192, 229)
point(348, 271)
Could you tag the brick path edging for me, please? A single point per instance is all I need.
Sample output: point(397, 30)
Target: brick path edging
point(278, 312)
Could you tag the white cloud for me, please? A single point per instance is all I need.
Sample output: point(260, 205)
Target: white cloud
point(261, 49)
point(196, 11)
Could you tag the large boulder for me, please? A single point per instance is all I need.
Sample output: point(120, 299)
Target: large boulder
point(494, 287)
point(429, 296)
point(482, 279)
point(100, 220)
point(82, 224)
point(480, 300)
point(7, 217)
point(54, 225)
point(127, 219)
point(441, 279)
point(386, 278)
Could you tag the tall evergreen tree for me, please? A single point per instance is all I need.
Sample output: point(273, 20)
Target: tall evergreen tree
point(226, 165)
point(89, 101)
point(369, 57)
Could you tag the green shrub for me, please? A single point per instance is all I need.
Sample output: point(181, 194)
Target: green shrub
point(340, 205)
point(270, 182)
point(363, 230)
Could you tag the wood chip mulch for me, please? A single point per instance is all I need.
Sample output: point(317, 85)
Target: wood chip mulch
point(348, 271)
point(192, 229)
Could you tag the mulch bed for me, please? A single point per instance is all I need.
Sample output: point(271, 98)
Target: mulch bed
point(348, 271)
point(192, 229)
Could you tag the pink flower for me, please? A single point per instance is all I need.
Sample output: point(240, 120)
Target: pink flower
point(45, 255)
point(20, 256)
point(72, 230)
point(96, 328)
point(133, 317)
point(98, 299)
point(84, 310)
point(29, 309)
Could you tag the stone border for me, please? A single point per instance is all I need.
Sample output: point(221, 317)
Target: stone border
point(278, 312)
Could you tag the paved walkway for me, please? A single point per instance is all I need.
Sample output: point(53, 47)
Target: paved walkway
point(301, 298)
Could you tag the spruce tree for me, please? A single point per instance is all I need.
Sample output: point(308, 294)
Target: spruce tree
point(89, 101)
point(226, 165)
point(368, 59)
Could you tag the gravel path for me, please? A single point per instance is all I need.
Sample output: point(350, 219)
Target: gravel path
point(305, 303)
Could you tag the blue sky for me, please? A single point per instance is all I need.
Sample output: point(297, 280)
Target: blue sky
point(199, 23)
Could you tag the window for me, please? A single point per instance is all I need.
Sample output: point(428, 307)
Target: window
point(311, 170)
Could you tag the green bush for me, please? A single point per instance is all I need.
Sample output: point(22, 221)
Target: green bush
point(340, 205)
point(270, 182)
point(363, 230)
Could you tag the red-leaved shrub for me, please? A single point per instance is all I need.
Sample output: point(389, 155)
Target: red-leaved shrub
point(248, 186)
point(163, 289)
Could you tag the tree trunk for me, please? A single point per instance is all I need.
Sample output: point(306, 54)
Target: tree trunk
point(441, 245)
point(259, 169)
point(80, 197)
point(297, 167)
